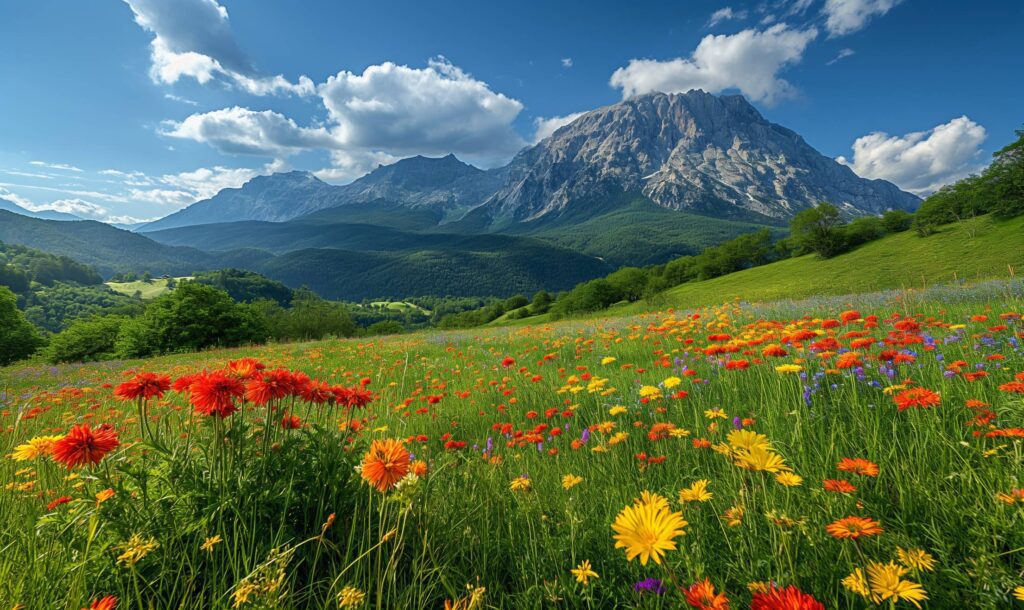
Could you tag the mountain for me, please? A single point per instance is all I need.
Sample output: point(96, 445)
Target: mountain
point(691, 151)
point(10, 206)
point(273, 198)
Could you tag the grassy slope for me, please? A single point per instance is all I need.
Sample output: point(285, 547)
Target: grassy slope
point(981, 248)
point(149, 290)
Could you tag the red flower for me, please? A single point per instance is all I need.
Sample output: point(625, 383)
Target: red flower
point(107, 603)
point(789, 598)
point(215, 393)
point(83, 445)
point(291, 422)
point(508, 361)
point(143, 385)
point(184, 383)
point(274, 385)
point(702, 595)
point(839, 485)
point(246, 368)
point(58, 502)
point(316, 392)
point(919, 398)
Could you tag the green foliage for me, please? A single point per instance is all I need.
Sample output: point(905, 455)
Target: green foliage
point(191, 318)
point(309, 317)
point(18, 338)
point(55, 307)
point(818, 230)
point(999, 189)
point(385, 327)
point(86, 339)
point(897, 221)
point(20, 265)
point(246, 286)
point(541, 302)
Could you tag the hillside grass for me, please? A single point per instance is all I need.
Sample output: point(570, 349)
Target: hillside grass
point(148, 290)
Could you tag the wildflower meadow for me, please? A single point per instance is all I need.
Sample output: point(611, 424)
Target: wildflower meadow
point(856, 452)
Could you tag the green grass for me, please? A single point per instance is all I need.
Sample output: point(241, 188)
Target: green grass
point(149, 290)
point(400, 306)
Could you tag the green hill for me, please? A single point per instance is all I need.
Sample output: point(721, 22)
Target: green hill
point(147, 290)
point(975, 249)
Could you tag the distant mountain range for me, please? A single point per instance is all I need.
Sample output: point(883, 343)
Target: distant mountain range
point(10, 206)
point(637, 182)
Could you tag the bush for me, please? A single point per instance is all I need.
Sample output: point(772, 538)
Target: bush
point(191, 318)
point(87, 339)
point(18, 338)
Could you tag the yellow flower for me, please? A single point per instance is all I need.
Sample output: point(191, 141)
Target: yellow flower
point(748, 439)
point(520, 484)
point(712, 413)
point(604, 427)
point(135, 550)
point(649, 391)
point(210, 542)
point(570, 480)
point(887, 583)
point(857, 583)
point(734, 516)
point(679, 433)
point(648, 528)
point(916, 559)
point(789, 368)
point(698, 492)
point(789, 479)
point(350, 597)
point(1018, 592)
point(761, 459)
point(608, 360)
point(671, 382)
point(584, 572)
point(617, 410)
point(35, 448)
point(103, 496)
point(618, 437)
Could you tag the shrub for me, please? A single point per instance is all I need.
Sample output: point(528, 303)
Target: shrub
point(87, 339)
point(18, 338)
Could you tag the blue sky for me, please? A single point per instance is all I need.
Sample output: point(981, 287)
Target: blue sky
point(121, 110)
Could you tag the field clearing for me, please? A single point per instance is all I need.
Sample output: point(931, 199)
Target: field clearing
point(148, 290)
point(765, 427)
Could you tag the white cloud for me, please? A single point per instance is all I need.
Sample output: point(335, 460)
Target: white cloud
point(16, 198)
point(920, 162)
point(566, 62)
point(848, 16)
point(346, 166)
point(192, 38)
point(239, 130)
point(78, 207)
point(749, 61)
point(432, 111)
point(843, 54)
point(544, 127)
point(725, 14)
point(60, 166)
point(206, 182)
point(178, 98)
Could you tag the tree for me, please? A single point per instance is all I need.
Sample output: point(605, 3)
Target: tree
point(192, 317)
point(541, 302)
point(1006, 174)
point(817, 230)
point(629, 282)
point(18, 338)
point(86, 339)
point(897, 221)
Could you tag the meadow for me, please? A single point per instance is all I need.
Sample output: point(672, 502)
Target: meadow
point(839, 452)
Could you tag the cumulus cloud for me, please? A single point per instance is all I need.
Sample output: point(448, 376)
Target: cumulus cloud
point(920, 162)
point(544, 127)
point(78, 207)
point(847, 16)
point(435, 110)
point(243, 131)
point(749, 61)
point(192, 38)
point(725, 14)
point(346, 166)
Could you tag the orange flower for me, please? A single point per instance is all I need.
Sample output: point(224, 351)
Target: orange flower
point(143, 385)
point(106, 603)
point(1015, 387)
point(83, 445)
point(789, 598)
point(419, 468)
point(385, 464)
point(839, 485)
point(853, 527)
point(702, 596)
point(859, 466)
point(919, 398)
point(246, 368)
point(274, 385)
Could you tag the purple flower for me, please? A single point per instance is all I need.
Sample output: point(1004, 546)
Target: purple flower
point(652, 585)
point(586, 435)
point(737, 423)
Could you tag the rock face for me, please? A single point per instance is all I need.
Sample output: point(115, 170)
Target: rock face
point(692, 151)
point(445, 183)
point(275, 198)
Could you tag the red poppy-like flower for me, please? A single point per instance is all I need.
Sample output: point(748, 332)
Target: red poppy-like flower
point(918, 398)
point(508, 361)
point(215, 393)
point(184, 383)
point(274, 385)
point(106, 603)
point(839, 485)
point(143, 385)
point(316, 392)
point(291, 422)
point(58, 502)
point(789, 598)
point(1014, 387)
point(702, 595)
point(83, 445)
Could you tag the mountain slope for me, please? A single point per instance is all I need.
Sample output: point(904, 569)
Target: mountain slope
point(692, 151)
point(12, 207)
